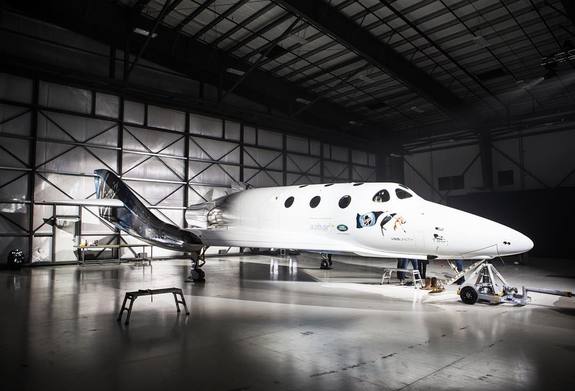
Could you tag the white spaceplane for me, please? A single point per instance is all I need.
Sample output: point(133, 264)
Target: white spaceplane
point(385, 220)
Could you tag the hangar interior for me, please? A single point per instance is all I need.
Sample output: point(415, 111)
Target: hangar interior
point(468, 103)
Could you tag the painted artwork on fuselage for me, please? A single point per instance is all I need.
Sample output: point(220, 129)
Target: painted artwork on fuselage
point(367, 219)
point(392, 219)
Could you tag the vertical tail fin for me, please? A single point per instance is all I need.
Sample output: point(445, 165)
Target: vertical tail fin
point(136, 219)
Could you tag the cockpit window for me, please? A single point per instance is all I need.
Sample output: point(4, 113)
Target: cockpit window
point(288, 202)
point(328, 184)
point(344, 201)
point(358, 184)
point(381, 196)
point(315, 201)
point(302, 186)
point(402, 194)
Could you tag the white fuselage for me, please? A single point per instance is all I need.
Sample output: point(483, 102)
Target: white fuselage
point(380, 220)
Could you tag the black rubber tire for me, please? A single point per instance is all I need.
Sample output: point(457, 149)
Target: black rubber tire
point(324, 264)
point(198, 275)
point(468, 295)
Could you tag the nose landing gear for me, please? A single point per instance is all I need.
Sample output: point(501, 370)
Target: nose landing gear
point(198, 260)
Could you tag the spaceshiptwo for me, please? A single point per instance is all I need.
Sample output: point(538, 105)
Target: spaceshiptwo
point(382, 220)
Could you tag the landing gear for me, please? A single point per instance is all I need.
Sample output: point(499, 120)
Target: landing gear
point(198, 260)
point(197, 275)
point(326, 262)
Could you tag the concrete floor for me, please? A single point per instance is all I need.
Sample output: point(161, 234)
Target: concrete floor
point(258, 324)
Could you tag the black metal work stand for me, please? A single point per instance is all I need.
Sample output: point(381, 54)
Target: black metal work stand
point(132, 296)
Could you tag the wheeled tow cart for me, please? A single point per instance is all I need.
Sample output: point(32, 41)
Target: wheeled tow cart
point(485, 283)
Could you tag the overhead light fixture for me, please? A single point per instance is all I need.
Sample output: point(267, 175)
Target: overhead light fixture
point(143, 32)
point(235, 71)
point(352, 122)
point(531, 83)
point(303, 101)
point(416, 109)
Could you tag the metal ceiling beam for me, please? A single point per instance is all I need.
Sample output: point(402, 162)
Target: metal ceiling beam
point(243, 23)
point(329, 69)
point(260, 31)
point(219, 18)
point(192, 15)
point(256, 64)
point(335, 24)
point(140, 6)
point(106, 21)
point(168, 7)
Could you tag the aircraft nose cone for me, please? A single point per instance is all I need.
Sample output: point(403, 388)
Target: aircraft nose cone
point(517, 243)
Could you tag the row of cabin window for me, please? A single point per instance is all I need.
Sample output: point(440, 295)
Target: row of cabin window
point(380, 196)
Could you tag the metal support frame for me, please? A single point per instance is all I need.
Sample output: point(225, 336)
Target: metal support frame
point(191, 16)
point(419, 174)
point(412, 25)
point(521, 168)
point(35, 169)
point(168, 6)
point(186, 168)
point(32, 174)
point(264, 168)
point(284, 159)
point(242, 150)
point(302, 173)
point(256, 64)
point(259, 32)
point(327, 19)
point(243, 23)
point(219, 18)
point(106, 22)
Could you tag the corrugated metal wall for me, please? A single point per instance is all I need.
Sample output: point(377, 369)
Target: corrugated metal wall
point(531, 160)
point(52, 138)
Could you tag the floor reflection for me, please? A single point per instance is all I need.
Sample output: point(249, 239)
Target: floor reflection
point(269, 323)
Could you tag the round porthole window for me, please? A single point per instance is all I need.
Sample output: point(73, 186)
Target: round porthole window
point(344, 201)
point(288, 202)
point(315, 201)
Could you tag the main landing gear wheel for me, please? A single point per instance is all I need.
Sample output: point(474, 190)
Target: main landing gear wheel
point(198, 260)
point(326, 262)
point(197, 275)
point(468, 295)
